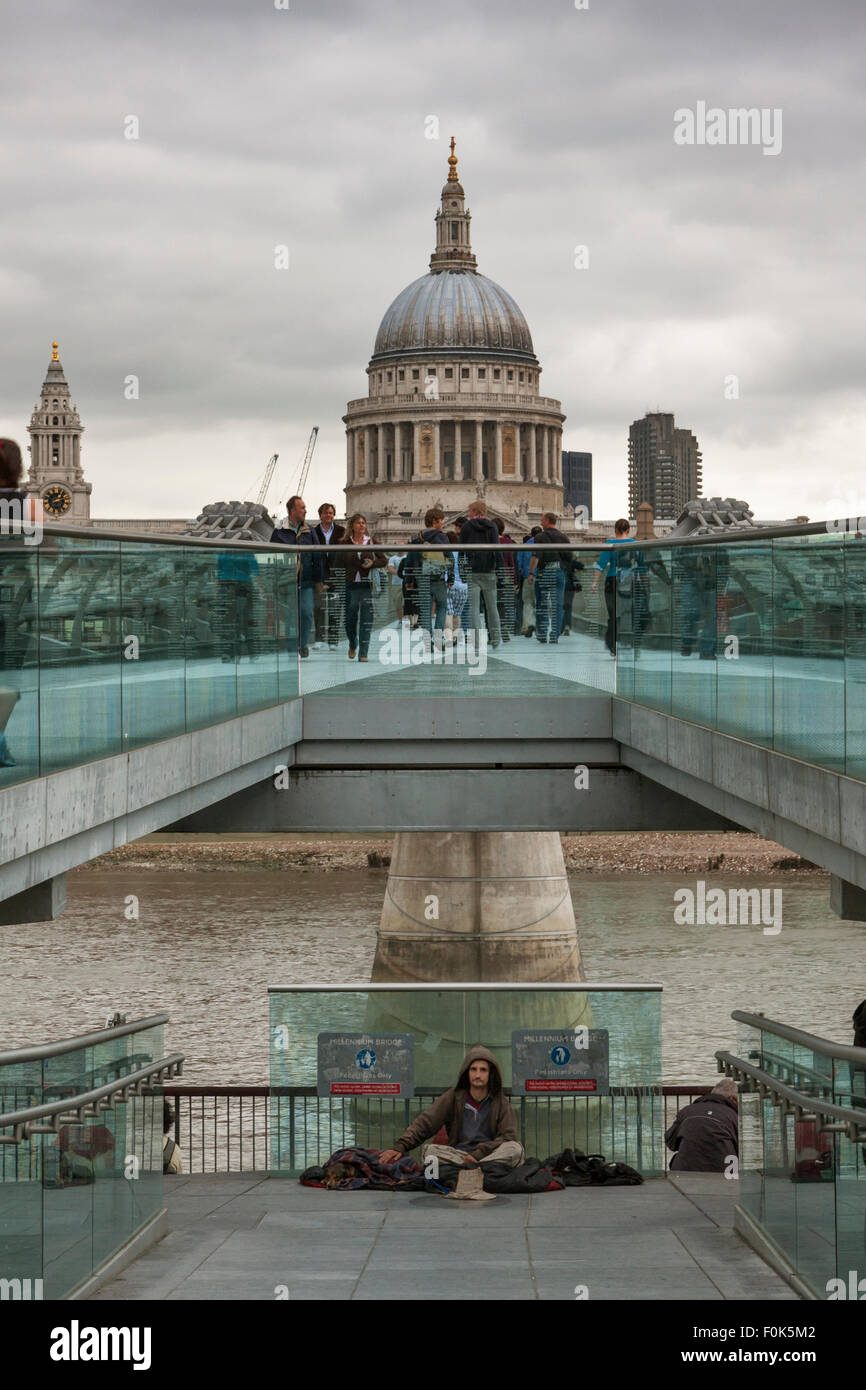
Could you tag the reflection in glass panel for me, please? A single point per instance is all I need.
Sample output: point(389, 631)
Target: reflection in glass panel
point(855, 656)
point(152, 642)
point(79, 651)
point(744, 658)
point(694, 575)
point(71, 1199)
point(403, 624)
point(443, 1024)
point(19, 660)
point(808, 649)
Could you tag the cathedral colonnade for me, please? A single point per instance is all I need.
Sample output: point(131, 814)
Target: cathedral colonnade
point(463, 450)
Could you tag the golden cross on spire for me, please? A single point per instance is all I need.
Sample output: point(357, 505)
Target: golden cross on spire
point(452, 160)
point(54, 357)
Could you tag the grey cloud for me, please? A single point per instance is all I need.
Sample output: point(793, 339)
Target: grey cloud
point(306, 127)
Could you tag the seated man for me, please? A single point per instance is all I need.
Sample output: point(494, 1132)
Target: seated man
point(477, 1116)
point(705, 1135)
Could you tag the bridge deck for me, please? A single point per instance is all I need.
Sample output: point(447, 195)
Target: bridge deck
point(242, 1236)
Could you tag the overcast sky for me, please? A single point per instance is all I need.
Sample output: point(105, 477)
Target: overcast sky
point(308, 127)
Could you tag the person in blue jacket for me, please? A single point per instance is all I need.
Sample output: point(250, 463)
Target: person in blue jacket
point(621, 572)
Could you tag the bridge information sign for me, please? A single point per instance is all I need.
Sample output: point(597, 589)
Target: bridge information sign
point(575, 1061)
point(366, 1064)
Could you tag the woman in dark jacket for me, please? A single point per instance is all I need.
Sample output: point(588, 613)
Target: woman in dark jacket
point(355, 552)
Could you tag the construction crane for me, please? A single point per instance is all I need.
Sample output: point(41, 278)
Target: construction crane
point(308, 458)
point(269, 474)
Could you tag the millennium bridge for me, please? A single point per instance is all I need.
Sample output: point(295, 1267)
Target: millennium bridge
point(156, 684)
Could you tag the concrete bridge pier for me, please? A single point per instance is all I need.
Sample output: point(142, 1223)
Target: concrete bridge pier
point(481, 906)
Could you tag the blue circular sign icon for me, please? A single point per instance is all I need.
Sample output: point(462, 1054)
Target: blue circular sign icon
point(560, 1055)
point(366, 1058)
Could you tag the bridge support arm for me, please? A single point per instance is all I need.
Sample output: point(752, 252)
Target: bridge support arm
point(847, 900)
point(41, 903)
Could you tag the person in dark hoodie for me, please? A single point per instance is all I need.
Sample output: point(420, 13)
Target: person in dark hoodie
point(433, 573)
point(476, 1114)
point(311, 570)
point(547, 573)
point(706, 1134)
point(483, 568)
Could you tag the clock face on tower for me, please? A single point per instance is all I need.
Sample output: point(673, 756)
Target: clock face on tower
point(57, 500)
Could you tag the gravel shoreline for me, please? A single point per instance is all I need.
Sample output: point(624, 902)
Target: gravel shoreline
point(658, 852)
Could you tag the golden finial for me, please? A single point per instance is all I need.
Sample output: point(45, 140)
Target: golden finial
point(452, 160)
point(54, 357)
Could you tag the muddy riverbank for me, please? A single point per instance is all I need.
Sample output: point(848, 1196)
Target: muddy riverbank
point(645, 853)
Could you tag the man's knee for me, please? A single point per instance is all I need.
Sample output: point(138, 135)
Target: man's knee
point(434, 1154)
point(509, 1152)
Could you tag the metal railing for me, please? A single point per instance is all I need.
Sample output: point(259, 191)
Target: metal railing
point(78, 1109)
point(57, 1049)
point(843, 1052)
point(801, 1160)
point(734, 537)
point(841, 1119)
point(228, 1129)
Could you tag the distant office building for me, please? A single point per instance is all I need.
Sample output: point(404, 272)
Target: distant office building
point(577, 480)
point(664, 466)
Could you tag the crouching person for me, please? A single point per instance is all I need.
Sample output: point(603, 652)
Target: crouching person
point(705, 1135)
point(476, 1114)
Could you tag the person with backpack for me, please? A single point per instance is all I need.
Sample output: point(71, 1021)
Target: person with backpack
point(547, 574)
point(433, 574)
point(572, 587)
point(458, 591)
point(483, 568)
point(619, 574)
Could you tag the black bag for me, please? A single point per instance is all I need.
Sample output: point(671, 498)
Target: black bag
point(575, 1169)
point(612, 1174)
point(531, 1176)
point(571, 1167)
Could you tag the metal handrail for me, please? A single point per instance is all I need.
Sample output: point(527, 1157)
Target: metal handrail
point(734, 537)
point(86, 1106)
point(823, 1046)
point(843, 1120)
point(583, 987)
point(797, 1072)
point(36, 1054)
point(232, 1128)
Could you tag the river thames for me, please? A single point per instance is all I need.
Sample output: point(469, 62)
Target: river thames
point(207, 945)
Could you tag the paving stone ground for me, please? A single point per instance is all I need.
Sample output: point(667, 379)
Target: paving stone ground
point(249, 1236)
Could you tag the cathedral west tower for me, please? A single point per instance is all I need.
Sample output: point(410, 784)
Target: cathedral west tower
point(453, 410)
point(55, 431)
